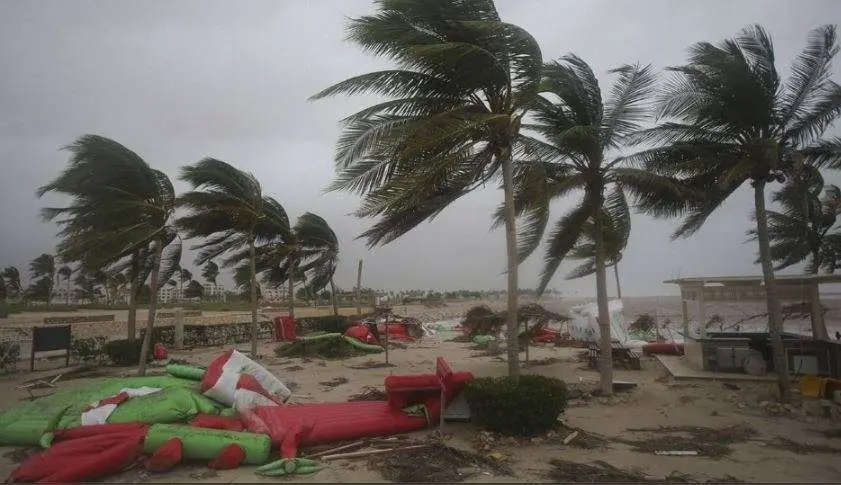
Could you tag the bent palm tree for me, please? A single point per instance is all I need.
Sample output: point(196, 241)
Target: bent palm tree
point(462, 83)
point(44, 267)
point(310, 254)
point(11, 278)
point(227, 208)
point(727, 119)
point(615, 234)
point(121, 207)
point(65, 273)
point(578, 133)
point(800, 231)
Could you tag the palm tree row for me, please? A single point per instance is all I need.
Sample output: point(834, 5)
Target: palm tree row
point(121, 218)
point(471, 101)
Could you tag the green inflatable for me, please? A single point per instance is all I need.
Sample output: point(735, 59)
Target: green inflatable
point(185, 371)
point(206, 444)
point(24, 425)
point(362, 346)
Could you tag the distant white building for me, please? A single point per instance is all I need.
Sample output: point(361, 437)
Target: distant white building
point(174, 293)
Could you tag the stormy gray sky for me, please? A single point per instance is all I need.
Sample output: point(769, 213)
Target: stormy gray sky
point(180, 80)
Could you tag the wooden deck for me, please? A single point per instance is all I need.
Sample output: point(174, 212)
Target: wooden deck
point(681, 371)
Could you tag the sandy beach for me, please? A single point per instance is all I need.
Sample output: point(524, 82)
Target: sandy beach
point(655, 403)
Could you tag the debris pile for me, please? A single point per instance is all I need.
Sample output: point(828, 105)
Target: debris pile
point(436, 463)
point(699, 441)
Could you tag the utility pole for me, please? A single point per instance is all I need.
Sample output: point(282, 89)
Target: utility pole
point(359, 289)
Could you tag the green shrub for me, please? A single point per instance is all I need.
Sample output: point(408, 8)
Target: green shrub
point(528, 407)
point(4, 309)
point(124, 352)
point(9, 356)
point(327, 324)
point(88, 349)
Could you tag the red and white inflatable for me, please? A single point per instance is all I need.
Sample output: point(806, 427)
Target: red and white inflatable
point(222, 380)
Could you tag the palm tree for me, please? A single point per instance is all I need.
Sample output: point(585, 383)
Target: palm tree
point(725, 118)
point(120, 209)
point(615, 234)
point(578, 133)
point(311, 254)
point(800, 231)
point(65, 272)
point(184, 276)
point(462, 83)
point(228, 208)
point(11, 278)
point(44, 267)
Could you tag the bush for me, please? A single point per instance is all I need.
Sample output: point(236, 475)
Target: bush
point(327, 324)
point(528, 407)
point(9, 356)
point(124, 352)
point(88, 349)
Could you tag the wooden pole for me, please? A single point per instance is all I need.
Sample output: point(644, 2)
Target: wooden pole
point(366, 453)
point(359, 289)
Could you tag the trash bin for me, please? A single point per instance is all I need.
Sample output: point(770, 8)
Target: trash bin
point(284, 328)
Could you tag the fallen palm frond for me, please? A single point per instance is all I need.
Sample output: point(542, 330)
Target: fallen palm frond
point(481, 320)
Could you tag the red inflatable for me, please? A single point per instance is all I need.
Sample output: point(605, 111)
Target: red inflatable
point(217, 422)
point(663, 348)
point(167, 456)
point(320, 423)
point(362, 333)
point(86, 456)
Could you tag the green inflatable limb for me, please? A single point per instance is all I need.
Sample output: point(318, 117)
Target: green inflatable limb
point(206, 444)
point(323, 336)
point(171, 405)
point(185, 371)
point(359, 345)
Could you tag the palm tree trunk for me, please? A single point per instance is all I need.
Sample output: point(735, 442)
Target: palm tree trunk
point(153, 304)
point(291, 290)
point(616, 275)
point(359, 289)
point(333, 297)
point(512, 260)
point(255, 329)
point(67, 296)
point(605, 347)
point(775, 313)
point(134, 291)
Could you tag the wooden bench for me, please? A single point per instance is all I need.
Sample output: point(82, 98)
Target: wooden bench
point(626, 357)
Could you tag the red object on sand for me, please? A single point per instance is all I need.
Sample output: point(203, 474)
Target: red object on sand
point(85, 457)
point(167, 456)
point(160, 352)
point(217, 422)
point(229, 458)
point(362, 333)
point(339, 421)
point(284, 328)
point(663, 348)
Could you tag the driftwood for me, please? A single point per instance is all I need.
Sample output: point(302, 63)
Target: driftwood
point(367, 453)
point(355, 444)
point(570, 437)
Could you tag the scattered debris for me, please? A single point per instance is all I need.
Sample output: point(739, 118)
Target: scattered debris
point(732, 387)
point(371, 364)
point(293, 368)
point(571, 437)
point(709, 442)
point(369, 393)
point(829, 433)
point(19, 455)
point(676, 453)
point(600, 471)
point(435, 463)
point(335, 382)
point(783, 443)
point(544, 361)
point(369, 453)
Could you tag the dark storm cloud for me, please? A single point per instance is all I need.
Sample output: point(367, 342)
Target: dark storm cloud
point(177, 81)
